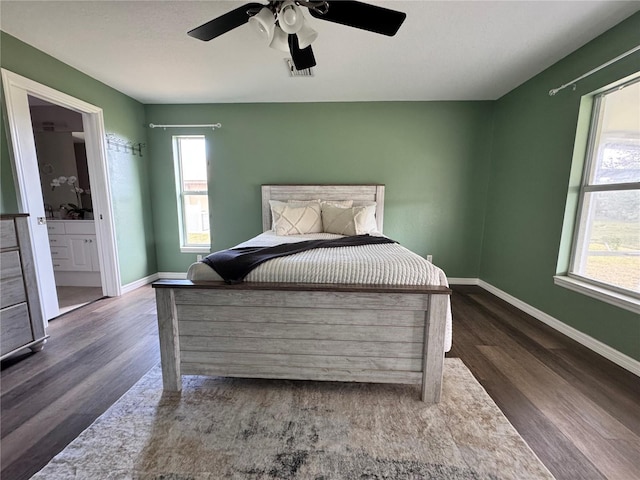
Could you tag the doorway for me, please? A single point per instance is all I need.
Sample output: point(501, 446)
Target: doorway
point(17, 90)
point(66, 190)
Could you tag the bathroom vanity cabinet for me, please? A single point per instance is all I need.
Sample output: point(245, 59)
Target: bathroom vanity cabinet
point(74, 252)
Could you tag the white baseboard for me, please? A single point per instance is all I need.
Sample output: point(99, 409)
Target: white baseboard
point(152, 278)
point(139, 283)
point(463, 281)
point(597, 346)
point(172, 275)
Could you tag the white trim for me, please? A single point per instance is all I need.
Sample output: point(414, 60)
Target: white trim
point(16, 89)
point(129, 287)
point(463, 281)
point(606, 295)
point(585, 213)
point(102, 206)
point(608, 187)
point(606, 351)
point(172, 275)
point(182, 195)
point(22, 145)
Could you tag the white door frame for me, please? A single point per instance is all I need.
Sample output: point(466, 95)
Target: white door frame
point(25, 169)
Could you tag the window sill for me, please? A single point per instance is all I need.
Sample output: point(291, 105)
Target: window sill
point(614, 298)
point(206, 250)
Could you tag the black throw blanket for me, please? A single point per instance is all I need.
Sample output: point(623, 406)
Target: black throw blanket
point(235, 264)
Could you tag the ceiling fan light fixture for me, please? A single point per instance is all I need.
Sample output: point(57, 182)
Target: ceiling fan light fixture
point(263, 23)
point(306, 36)
point(280, 40)
point(290, 17)
point(282, 24)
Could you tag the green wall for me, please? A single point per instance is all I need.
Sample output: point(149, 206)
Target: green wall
point(432, 157)
point(480, 185)
point(531, 163)
point(123, 116)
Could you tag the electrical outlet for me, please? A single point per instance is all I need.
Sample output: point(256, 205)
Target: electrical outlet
point(430, 258)
point(199, 258)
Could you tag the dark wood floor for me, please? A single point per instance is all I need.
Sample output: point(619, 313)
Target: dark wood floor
point(578, 412)
point(95, 354)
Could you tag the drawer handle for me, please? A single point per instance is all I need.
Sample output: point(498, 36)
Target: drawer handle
point(54, 252)
point(56, 264)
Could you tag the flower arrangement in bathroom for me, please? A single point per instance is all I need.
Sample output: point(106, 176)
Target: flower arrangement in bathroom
point(72, 210)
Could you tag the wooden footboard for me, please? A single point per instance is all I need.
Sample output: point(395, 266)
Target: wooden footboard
point(352, 333)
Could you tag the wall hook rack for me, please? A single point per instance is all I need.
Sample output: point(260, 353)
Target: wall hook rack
point(119, 144)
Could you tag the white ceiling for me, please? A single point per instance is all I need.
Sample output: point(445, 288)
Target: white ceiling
point(445, 50)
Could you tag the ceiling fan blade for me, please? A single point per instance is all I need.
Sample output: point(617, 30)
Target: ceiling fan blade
point(224, 23)
point(362, 15)
point(302, 57)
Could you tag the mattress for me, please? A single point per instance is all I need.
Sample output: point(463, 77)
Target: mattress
point(386, 264)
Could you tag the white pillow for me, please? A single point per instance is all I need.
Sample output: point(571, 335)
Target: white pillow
point(349, 221)
point(292, 219)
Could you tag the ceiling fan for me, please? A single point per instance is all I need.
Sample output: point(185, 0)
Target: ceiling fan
point(281, 23)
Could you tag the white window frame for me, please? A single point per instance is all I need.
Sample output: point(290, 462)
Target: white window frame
point(181, 194)
point(612, 294)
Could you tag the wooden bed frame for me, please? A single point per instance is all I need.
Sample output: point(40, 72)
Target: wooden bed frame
point(334, 332)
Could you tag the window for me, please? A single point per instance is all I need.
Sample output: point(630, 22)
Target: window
point(606, 246)
point(189, 153)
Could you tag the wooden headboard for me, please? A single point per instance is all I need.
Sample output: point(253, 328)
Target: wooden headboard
point(360, 194)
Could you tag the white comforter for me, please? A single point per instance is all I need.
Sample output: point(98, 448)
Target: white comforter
point(385, 264)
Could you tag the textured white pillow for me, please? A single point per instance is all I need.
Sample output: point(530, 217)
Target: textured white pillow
point(349, 221)
point(292, 219)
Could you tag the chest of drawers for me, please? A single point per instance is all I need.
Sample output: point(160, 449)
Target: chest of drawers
point(21, 321)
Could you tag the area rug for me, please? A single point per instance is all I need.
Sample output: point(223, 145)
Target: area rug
point(222, 428)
